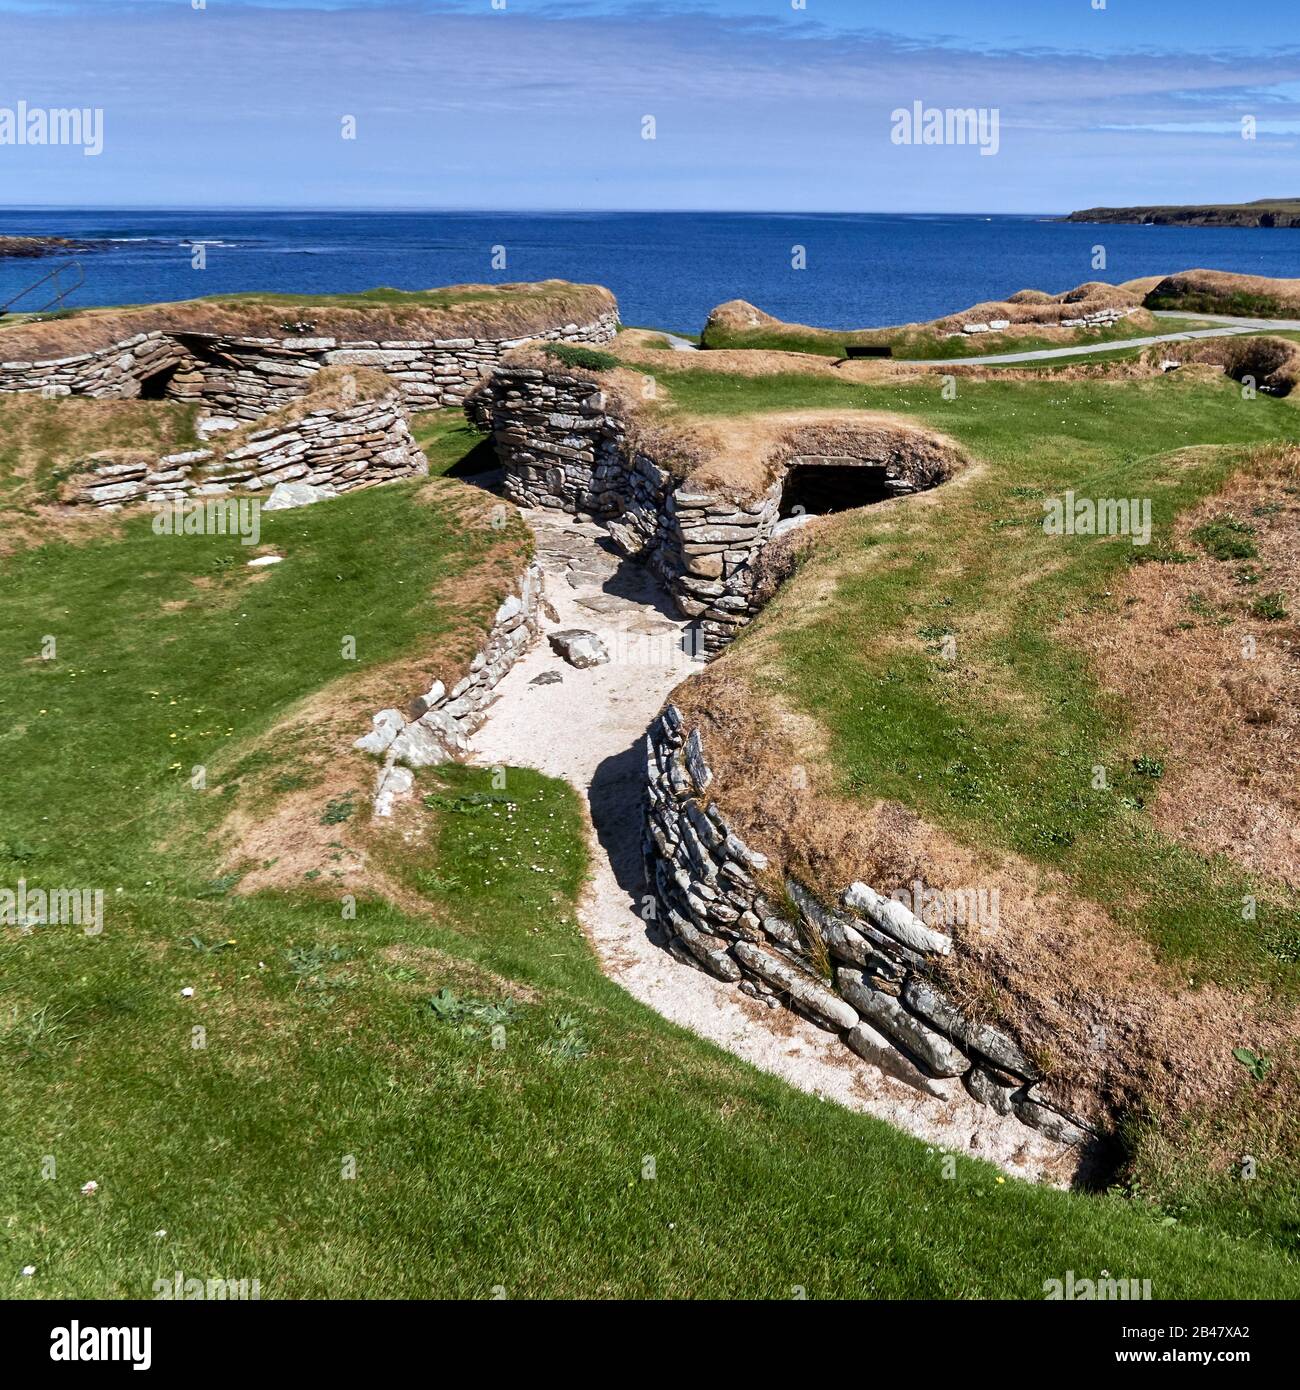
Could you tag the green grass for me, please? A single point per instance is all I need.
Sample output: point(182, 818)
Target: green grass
point(450, 442)
point(1227, 538)
point(443, 1100)
point(927, 347)
point(1270, 607)
point(816, 342)
point(574, 355)
point(1235, 303)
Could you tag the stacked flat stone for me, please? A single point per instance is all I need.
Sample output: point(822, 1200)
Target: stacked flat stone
point(246, 377)
point(342, 449)
point(862, 972)
point(563, 446)
point(1098, 318)
point(436, 726)
point(115, 371)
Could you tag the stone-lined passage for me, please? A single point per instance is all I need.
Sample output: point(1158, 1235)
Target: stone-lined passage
point(564, 442)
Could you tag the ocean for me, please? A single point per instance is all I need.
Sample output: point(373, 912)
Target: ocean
point(667, 269)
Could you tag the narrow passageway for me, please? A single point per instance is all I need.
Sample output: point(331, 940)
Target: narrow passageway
point(588, 727)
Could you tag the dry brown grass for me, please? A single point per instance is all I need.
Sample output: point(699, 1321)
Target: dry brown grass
point(503, 311)
point(630, 348)
point(1142, 286)
point(1172, 649)
point(1273, 364)
point(44, 442)
point(743, 454)
point(1033, 308)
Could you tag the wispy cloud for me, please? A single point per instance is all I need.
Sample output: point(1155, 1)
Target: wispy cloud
point(541, 105)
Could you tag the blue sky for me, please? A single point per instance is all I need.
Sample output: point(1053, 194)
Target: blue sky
point(757, 104)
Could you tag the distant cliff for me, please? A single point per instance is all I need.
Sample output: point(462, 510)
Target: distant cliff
point(1268, 212)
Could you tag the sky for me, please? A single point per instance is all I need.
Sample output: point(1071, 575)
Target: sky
point(756, 104)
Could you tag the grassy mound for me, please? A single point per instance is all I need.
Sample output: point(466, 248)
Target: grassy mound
point(974, 761)
point(1270, 363)
point(1033, 318)
point(1220, 292)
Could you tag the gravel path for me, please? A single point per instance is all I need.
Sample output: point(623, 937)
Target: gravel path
point(1229, 327)
point(588, 727)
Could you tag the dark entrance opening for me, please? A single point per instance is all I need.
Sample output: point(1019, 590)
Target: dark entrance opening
point(154, 388)
point(819, 488)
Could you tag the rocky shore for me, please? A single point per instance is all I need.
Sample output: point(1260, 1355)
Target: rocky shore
point(29, 247)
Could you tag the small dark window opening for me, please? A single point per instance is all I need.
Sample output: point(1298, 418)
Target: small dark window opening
point(154, 388)
point(832, 487)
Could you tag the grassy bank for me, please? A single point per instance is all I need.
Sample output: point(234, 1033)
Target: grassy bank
point(999, 746)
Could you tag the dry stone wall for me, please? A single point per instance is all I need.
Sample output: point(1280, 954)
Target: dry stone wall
point(862, 972)
point(436, 726)
point(563, 445)
point(1096, 318)
point(336, 449)
point(245, 377)
point(117, 371)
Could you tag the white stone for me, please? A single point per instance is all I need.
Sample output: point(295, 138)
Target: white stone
point(287, 495)
point(394, 784)
point(579, 647)
point(897, 920)
point(388, 723)
point(418, 746)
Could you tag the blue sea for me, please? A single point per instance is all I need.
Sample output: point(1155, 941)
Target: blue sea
point(667, 269)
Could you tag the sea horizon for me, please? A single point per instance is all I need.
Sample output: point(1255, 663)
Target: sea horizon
point(668, 269)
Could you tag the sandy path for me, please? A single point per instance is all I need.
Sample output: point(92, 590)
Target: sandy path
point(588, 728)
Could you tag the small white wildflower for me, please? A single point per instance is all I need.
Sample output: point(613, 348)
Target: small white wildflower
point(28, 1271)
point(90, 1188)
point(187, 992)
